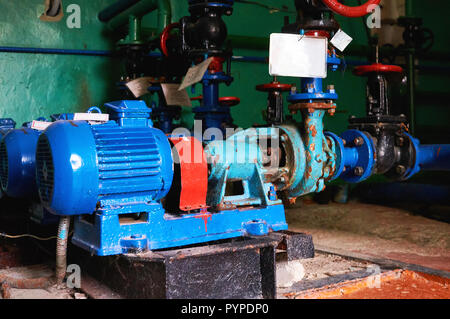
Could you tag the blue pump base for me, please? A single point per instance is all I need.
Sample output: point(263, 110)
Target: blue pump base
point(112, 233)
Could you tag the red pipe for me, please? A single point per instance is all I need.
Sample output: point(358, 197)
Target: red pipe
point(351, 12)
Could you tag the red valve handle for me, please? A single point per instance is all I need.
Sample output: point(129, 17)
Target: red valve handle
point(165, 35)
point(351, 12)
point(229, 101)
point(223, 101)
point(377, 68)
point(274, 86)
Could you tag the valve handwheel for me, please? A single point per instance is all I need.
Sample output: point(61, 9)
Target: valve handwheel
point(165, 35)
point(229, 101)
point(377, 68)
point(274, 86)
point(223, 101)
point(197, 98)
point(350, 12)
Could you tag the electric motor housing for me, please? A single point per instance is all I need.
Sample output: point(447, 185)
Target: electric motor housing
point(82, 167)
point(17, 163)
point(6, 124)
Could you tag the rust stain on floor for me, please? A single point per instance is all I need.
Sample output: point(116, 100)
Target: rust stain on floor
point(397, 284)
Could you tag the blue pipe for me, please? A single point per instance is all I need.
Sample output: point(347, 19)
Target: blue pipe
point(210, 94)
point(55, 51)
point(236, 58)
point(434, 157)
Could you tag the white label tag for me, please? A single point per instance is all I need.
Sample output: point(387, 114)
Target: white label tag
point(139, 86)
point(175, 96)
point(40, 125)
point(298, 55)
point(195, 74)
point(341, 40)
point(92, 118)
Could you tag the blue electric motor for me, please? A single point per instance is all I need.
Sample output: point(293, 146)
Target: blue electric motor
point(82, 166)
point(17, 162)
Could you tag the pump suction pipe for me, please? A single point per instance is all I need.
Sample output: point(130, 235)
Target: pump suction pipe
point(351, 12)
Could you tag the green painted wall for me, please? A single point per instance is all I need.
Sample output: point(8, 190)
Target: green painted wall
point(33, 85)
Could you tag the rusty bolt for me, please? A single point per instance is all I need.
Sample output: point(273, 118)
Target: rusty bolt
point(358, 141)
point(358, 171)
point(331, 111)
point(400, 169)
point(344, 142)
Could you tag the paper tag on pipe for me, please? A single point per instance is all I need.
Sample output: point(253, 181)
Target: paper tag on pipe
point(341, 40)
point(195, 74)
point(139, 86)
point(298, 55)
point(40, 125)
point(174, 96)
point(92, 118)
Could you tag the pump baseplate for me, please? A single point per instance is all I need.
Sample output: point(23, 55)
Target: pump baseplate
point(237, 268)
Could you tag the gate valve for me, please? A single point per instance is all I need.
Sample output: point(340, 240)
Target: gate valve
point(377, 87)
point(274, 100)
point(351, 12)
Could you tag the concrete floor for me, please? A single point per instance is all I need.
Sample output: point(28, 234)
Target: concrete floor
point(374, 230)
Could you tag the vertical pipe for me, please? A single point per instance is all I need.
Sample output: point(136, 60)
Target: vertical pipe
point(410, 61)
point(61, 249)
point(411, 89)
point(164, 14)
point(210, 94)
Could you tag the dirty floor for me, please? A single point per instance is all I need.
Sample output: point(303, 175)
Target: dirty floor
point(373, 230)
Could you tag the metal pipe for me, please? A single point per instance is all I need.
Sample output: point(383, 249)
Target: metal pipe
point(119, 17)
point(434, 157)
point(55, 51)
point(61, 248)
point(114, 9)
point(411, 90)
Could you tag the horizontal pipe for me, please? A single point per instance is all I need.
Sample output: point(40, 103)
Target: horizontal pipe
point(114, 9)
point(434, 157)
point(105, 53)
point(139, 9)
point(236, 58)
point(55, 51)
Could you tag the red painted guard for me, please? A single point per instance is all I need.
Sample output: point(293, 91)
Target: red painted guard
point(194, 172)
